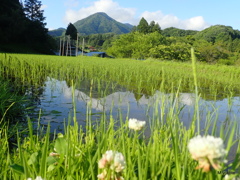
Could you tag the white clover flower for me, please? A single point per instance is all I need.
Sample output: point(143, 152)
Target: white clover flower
point(104, 176)
point(208, 150)
point(136, 124)
point(118, 163)
point(228, 177)
point(109, 155)
point(54, 154)
point(37, 178)
point(113, 160)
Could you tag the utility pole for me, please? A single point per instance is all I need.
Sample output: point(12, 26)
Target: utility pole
point(63, 46)
point(82, 46)
point(77, 45)
point(60, 49)
point(70, 46)
point(67, 47)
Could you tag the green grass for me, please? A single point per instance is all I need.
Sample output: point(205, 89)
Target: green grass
point(138, 76)
point(11, 103)
point(160, 154)
point(163, 155)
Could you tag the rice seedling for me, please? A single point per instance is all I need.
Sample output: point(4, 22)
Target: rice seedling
point(120, 147)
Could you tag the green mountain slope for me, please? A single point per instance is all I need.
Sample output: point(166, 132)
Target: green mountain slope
point(56, 32)
point(172, 31)
point(218, 33)
point(100, 23)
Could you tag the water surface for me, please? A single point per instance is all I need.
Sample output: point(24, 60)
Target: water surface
point(55, 103)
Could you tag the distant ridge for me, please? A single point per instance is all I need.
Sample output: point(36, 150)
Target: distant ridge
point(98, 23)
point(57, 32)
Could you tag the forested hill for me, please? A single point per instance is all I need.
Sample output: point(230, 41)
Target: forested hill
point(57, 32)
point(172, 31)
point(218, 33)
point(224, 35)
point(98, 23)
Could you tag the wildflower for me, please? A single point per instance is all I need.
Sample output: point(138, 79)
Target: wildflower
point(208, 151)
point(37, 178)
point(54, 154)
point(113, 159)
point(109, 155)
point(102, 163)
point(136, 124)
point(104, 176)
point(228, 177)
point(112, 162)
point(119, 162)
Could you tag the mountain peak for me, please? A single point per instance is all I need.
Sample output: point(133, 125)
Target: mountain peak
point(100, 22)
point(101, 13)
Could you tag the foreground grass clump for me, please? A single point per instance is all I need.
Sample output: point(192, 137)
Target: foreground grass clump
point(11, 102)
point(89, 153)
point(124, 149)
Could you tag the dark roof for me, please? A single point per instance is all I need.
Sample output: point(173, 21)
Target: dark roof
point(95, 53)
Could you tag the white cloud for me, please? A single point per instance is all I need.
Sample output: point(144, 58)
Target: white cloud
point(194, 23)
point(197, 23)
point(127, 15)
point(50, 29)
point(113, 9)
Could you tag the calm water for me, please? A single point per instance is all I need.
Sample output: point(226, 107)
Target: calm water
point(55, 103)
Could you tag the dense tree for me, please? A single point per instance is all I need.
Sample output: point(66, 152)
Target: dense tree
point(122, 46)
point(154, 27)
point(208, 52)
point(36, 31)
point(178, 51)
point(143, 26)
point(134, 29)
point(172, 31)
point(136, 45)
point(32, 9)
point(220, 34)
point(141, 46)
point(11, 19)
point(21, 29)
point(72, 31)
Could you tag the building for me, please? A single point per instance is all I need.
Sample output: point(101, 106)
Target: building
point(98, 54)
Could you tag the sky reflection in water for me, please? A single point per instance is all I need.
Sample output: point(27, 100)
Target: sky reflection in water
point(56, 106)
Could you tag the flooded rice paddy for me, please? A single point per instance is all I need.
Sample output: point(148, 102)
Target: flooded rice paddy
point(54, 104)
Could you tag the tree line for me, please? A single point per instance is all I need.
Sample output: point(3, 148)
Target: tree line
point(23, 24)
point(215, 44)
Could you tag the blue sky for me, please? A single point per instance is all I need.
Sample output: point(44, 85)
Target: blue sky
point(184, 14)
